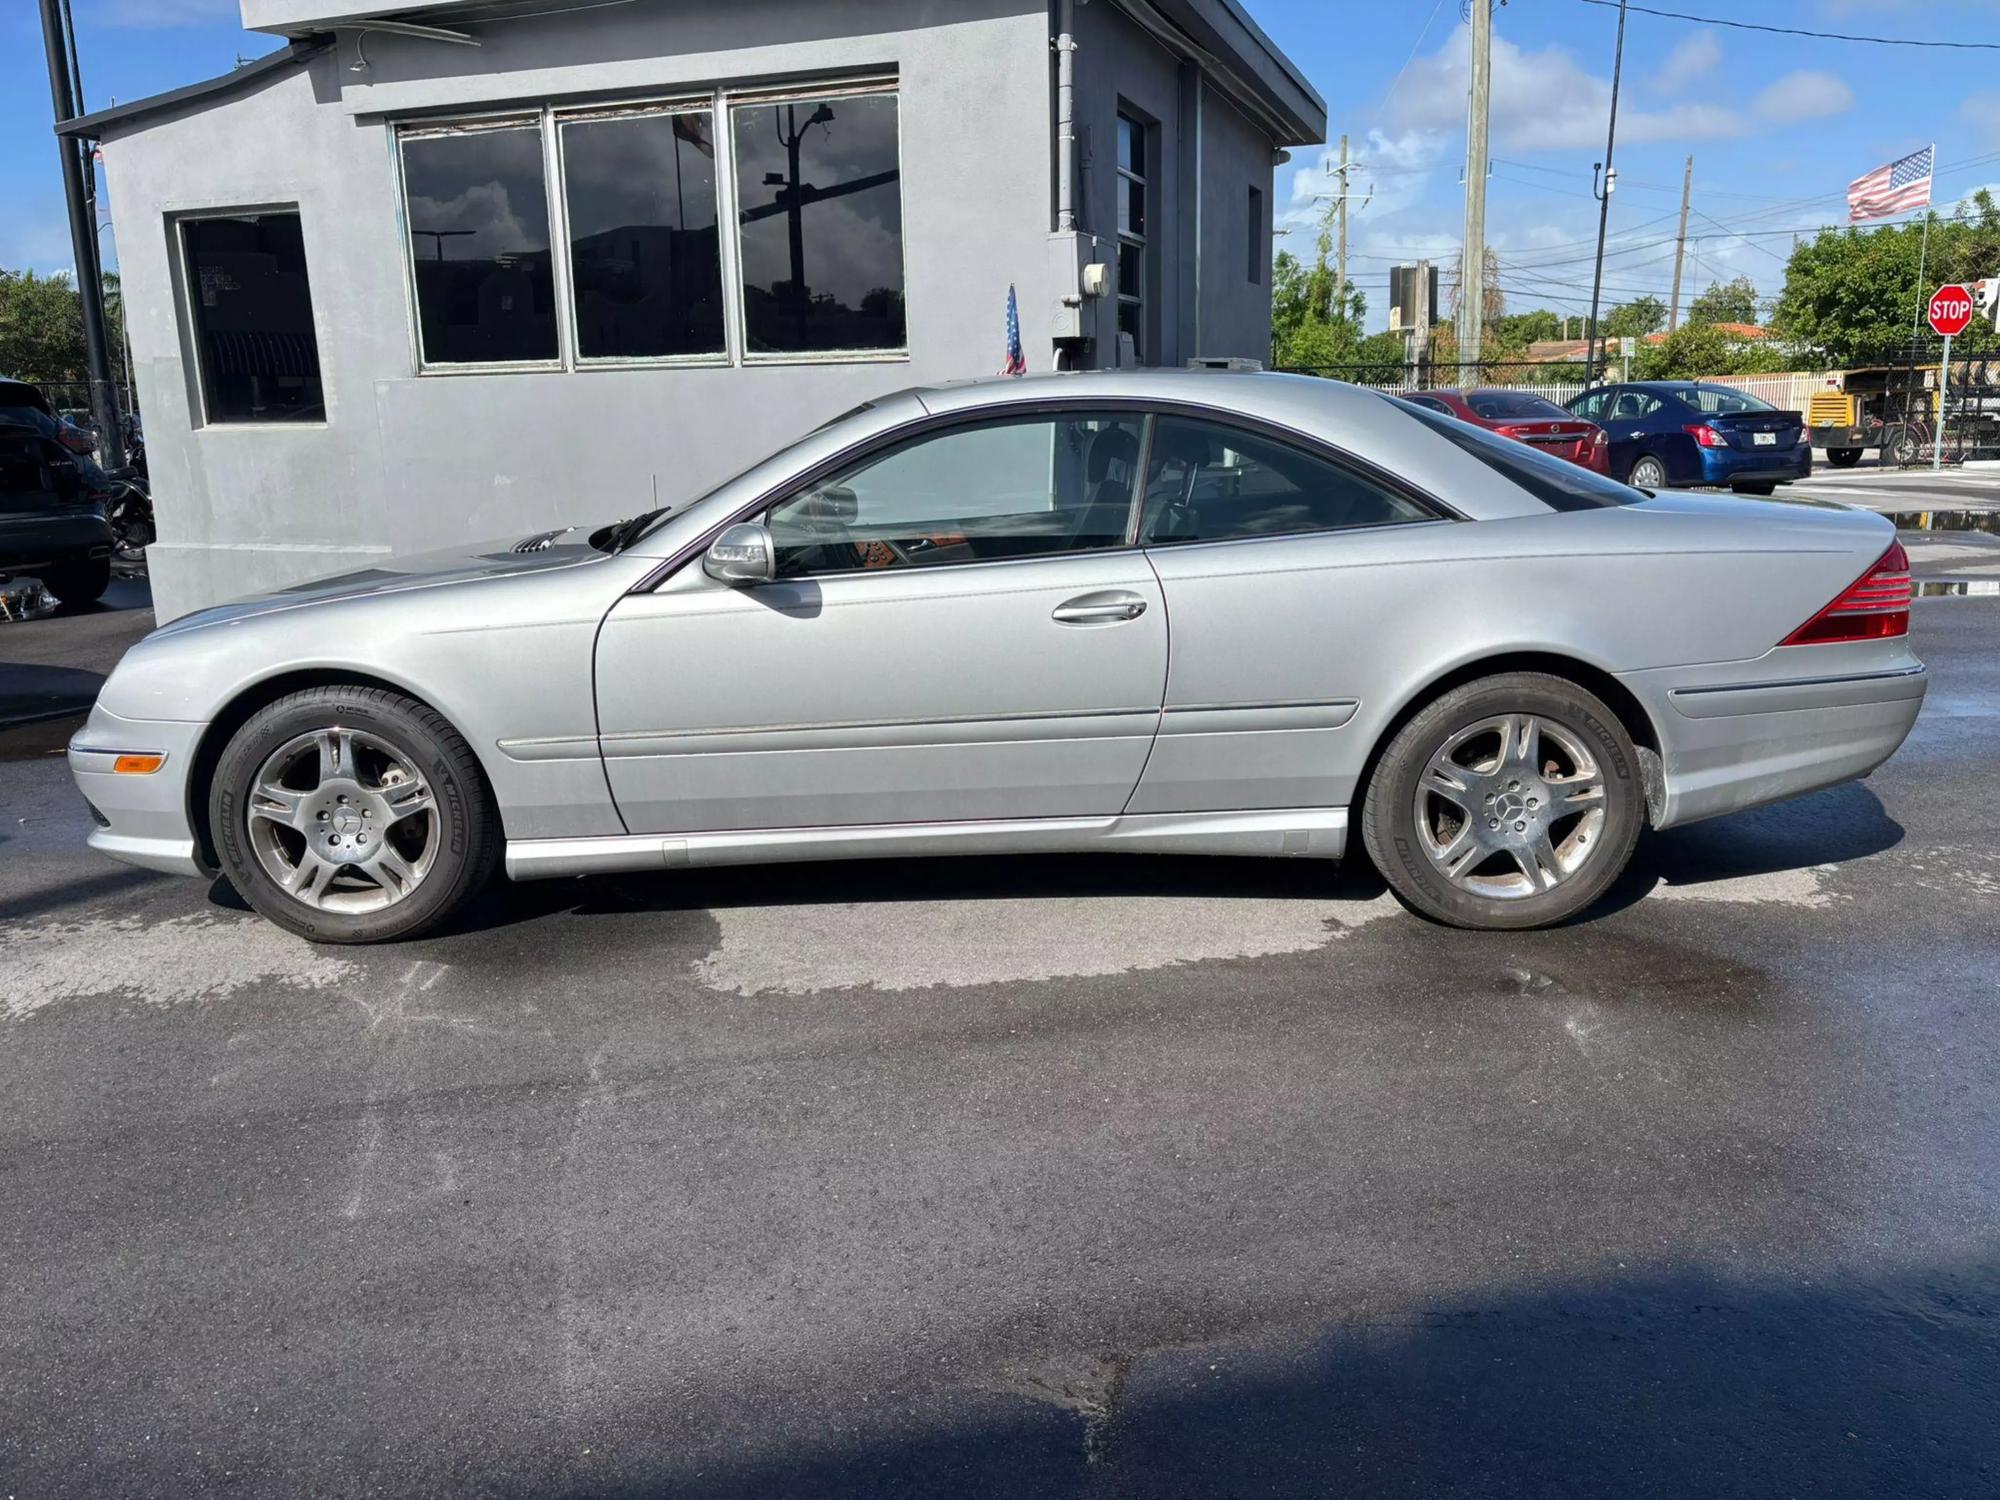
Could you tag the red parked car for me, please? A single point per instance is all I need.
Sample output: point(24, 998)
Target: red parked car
point(1527, 418)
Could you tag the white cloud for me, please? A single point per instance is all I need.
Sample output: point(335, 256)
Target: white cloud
point(1394, 173)
point(1805, 96)
point(1544, 100)
point(1696, 55)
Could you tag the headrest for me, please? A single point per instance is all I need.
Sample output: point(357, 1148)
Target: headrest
point(1114, 445)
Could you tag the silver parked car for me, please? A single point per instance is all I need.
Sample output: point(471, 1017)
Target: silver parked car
point(1168, 612)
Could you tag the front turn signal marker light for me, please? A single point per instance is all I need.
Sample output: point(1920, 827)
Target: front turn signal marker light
point(138, 765)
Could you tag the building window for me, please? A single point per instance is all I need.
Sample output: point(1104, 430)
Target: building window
point(477, 209)
point(1132, 231)
point(250, 307)
point(645, 258)
point(1256, 236)
point(820, 224)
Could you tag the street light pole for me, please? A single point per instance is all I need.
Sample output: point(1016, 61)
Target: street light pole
point(83, 238)
point(1603, 195)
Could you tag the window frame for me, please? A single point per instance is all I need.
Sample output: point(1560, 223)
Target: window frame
point(720, 104)
point(191, 331)
point(1432, 509)
point(559, 232)
point(1151, 408)
point(1141, 242)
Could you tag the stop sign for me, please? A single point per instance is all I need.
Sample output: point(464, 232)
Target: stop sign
point(1950, 310)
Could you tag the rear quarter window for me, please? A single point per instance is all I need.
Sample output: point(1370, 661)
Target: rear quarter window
point(1557, 483)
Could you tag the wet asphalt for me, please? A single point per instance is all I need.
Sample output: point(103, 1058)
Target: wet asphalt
point(1096, 1177)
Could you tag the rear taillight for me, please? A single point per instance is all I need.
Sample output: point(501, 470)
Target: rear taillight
point(1872, 608)
point(1705, 436)
point(1599, 440)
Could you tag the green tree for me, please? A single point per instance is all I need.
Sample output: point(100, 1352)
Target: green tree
point(1516, 331)
point(41, 328)
point(1725, 302)
point(1634, 319)
point(1314, 320)
point(1697, 349)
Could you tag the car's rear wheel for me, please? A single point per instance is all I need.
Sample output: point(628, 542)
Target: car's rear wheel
point(1755, 489)
point(1843, 458)
point(1647, 473)
point(1513, 801)
point(79, 583)
point(352, 815)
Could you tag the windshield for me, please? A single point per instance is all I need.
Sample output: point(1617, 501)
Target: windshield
point(1498, 406)
point(1557, 483)
point(1721, 400)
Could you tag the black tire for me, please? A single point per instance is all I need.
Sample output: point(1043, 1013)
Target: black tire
point(1389, 810)
point(468, 834)
point(1843, 458)
point(80, 583)
point(1755, 489)
point(1647, 473)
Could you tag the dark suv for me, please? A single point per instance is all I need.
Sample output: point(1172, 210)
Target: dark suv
point(52, 519)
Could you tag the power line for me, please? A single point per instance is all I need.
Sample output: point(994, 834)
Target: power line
point(1824, 36)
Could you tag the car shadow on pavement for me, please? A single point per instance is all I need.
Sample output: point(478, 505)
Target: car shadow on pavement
point(1828, 828)
point(1674, 1383)
point(1796, 837)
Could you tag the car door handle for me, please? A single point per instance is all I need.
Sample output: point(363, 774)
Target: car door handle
point(1107, 608)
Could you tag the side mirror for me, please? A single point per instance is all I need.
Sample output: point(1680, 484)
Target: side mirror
point(743, 554)
point(833, 503)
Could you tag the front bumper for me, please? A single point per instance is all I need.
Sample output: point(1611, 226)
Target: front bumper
point(143, 820)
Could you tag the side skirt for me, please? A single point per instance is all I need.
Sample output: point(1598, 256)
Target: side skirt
point(1315, 833)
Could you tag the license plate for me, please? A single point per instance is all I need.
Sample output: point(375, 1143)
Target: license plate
point(1764, 439)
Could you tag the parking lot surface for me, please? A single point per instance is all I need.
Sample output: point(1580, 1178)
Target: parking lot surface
point(1026, 1177)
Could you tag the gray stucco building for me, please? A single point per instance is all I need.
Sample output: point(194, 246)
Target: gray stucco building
point(444, 271)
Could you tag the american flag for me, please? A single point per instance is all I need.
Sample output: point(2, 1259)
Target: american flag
point(1017, 362)
point(1902, 185)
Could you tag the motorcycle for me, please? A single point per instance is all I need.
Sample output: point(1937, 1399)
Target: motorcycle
point(129, 508)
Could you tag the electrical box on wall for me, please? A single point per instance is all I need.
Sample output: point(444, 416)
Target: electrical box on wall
point(1078, 280)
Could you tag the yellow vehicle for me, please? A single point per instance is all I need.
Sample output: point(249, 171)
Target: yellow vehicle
point(1870, 407)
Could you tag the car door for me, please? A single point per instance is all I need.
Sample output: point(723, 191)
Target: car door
point(1265, 551)
point(960, 628)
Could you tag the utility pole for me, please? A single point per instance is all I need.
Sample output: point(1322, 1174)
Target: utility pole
point(1420, 328)
point(56, 41)
point(1472, 267)
point(1603, 195)
point(1680, 245)
point(1339, 308)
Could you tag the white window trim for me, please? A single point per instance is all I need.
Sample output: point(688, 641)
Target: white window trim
point(191, 331)
point(719, 105)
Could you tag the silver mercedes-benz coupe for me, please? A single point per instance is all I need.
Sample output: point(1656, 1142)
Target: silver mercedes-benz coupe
point(1170, 612)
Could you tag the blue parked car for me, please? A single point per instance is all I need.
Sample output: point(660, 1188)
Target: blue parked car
point(1680, 432)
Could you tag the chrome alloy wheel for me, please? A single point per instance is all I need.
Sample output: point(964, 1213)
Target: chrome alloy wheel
point(343, 821)
point(1511, 806)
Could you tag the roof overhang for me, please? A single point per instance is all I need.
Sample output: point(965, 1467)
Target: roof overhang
point(1236, 54)
point(209, 90)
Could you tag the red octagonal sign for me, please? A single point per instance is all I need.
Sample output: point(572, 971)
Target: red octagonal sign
point(1950, 310)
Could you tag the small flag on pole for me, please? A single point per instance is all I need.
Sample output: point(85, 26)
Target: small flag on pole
point(1897, 188)
point(1017, 362)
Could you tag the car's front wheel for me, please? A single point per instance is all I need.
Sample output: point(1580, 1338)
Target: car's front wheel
point(1648, 473)
point(1513, 801)
point(352, 815)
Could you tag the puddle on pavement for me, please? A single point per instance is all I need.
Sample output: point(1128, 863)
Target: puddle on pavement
point(1946, 520)
point(1959, 588)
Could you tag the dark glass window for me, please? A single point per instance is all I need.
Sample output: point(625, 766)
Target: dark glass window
point(644, 255)
point(820, 210)
point(1024, 487)
point(1132, 250)
point(1556, 482)
point(1257, 222)
point(1207, 482)
point(251, 309)
point(477, 210)
point(1501, 406)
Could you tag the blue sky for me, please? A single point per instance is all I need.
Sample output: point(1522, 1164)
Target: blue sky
point(1777, 125)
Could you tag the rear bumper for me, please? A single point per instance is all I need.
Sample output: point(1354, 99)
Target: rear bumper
point(142, 820)
point(1738, 736)
point(28, 542)
point(1747, 466)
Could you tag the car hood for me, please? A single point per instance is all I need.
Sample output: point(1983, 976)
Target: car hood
point(503, 558)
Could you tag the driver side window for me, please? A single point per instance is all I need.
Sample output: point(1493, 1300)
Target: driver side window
point(1021, 487)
